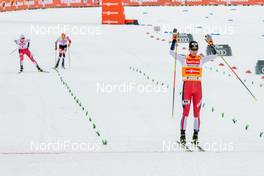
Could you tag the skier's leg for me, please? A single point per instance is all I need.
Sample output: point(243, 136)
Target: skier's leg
point(186, 103)
point(21, 56)
point(63, 58)
point(35, 62)
point(197, 100)
point(64, 49)
point(30, 56)
point(28, 53)
point(58, 61)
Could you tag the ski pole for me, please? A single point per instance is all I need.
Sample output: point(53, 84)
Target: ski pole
point(208, 39)
point(13, 51)
point(229, 66)
point(174, 74)
point(69, 57)
point(55, 56)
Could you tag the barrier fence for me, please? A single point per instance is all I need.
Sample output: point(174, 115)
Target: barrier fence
point(12, 5)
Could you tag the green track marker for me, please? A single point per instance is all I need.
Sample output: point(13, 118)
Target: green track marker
point(261, 134)
point(104, 141)
point(234, 120)
point(247, 126)
point(98, 134)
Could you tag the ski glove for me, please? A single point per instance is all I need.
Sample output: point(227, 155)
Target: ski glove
point(173, 44)
point(212, 49)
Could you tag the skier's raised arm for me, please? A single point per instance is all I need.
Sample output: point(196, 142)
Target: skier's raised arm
point(213, 54)
point(179, 57)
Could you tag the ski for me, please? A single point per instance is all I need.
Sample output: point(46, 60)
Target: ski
point(44, 71)
point(20, 72)
point(192, 148)
point(198, 147)
point(186, 147)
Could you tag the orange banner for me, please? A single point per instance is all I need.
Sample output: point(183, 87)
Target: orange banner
point(259, 2)
point(113, 12)
point(239, 2)
point(216, 2)
point(196, 2)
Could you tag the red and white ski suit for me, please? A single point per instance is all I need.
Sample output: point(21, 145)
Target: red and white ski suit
point(63, 44)
point(192, 87)
point(23, 50)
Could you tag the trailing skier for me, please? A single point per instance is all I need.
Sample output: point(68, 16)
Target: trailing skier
point(23, 49)
point(63, 42)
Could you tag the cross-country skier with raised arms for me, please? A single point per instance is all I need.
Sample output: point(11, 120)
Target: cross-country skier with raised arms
point(23, 49)
point(63, 42)
point(192, 88)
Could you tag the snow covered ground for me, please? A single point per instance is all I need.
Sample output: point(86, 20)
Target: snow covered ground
point(37, 109)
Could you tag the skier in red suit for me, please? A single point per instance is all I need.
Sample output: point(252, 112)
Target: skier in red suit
point(192, 87)
point(23, 49)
